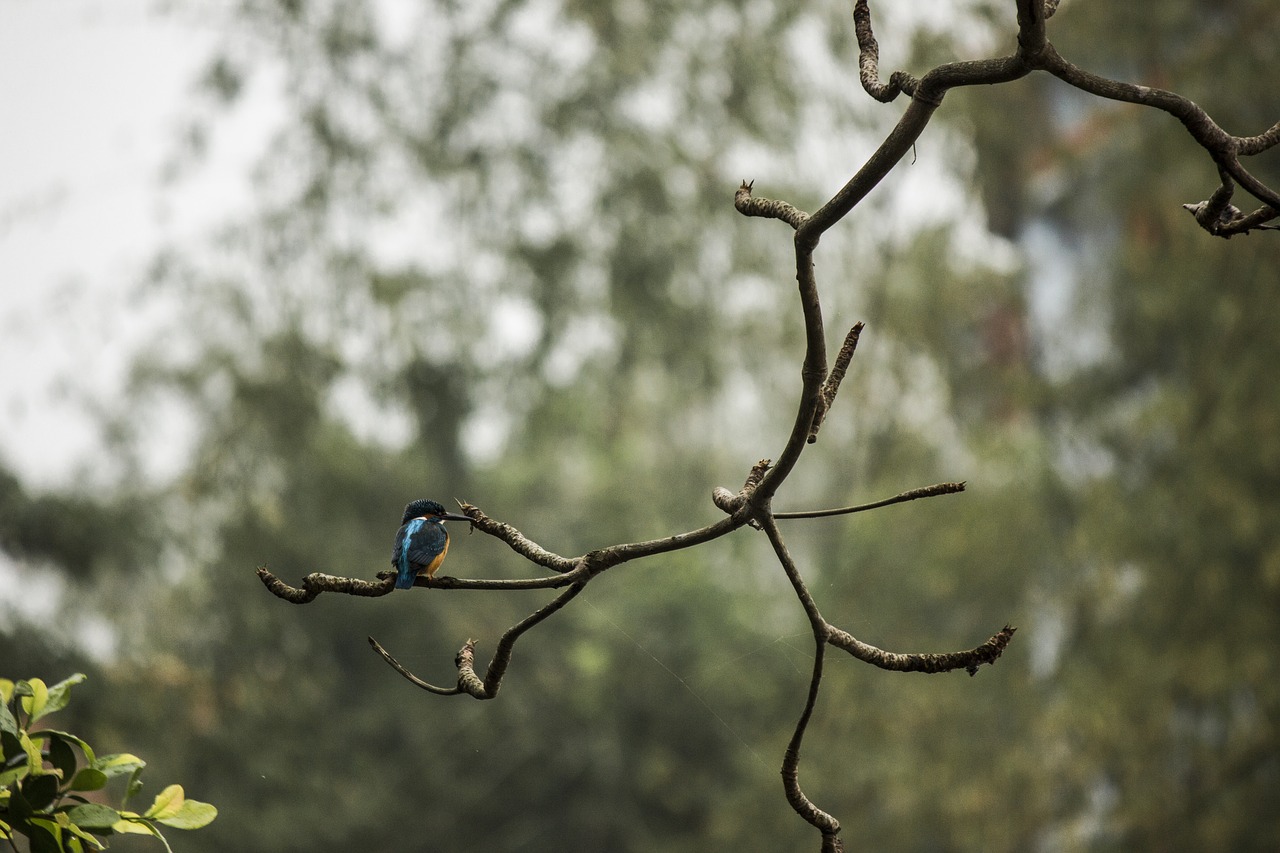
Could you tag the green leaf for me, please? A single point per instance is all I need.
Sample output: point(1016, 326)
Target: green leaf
point(8, 723)
point(63, 758)
point(88, 779)
point(10, 746)
point(135, 785)
point(87, 839)
point(47, 837)
point(35, 761)
point(167, 803)
point(6, 690)
point(117, 764)
point(72, 739)
point(94, 816)
point(34, 703)
point(192, 814)
point(60, 694)
point(19, 810)
point(131, 823)
point(40, 791)
point(8, 777)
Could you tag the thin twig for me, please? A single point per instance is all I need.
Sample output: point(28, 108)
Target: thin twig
point(517, 541)
point(832, 384)
point(398, 667)
point(468, 681)
point(506, 645)
point(914, 494)
point(825, 823)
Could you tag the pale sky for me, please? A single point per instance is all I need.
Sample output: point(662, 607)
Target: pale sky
point(90, 94)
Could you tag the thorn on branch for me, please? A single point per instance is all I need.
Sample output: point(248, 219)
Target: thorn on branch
point(832, 385)
point(969, 660)
point(748, 205)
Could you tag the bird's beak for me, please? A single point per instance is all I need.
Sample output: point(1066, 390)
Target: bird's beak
point(453, 516)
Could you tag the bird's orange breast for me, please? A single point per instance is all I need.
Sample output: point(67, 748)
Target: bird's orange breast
point(435, 564)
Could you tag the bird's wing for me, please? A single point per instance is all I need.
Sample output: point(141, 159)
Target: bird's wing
point(426, 543)
point(401, 536)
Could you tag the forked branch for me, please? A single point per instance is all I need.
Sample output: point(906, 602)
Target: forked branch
point(752, 504)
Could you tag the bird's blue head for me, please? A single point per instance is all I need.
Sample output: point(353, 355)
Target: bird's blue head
point(429, 509)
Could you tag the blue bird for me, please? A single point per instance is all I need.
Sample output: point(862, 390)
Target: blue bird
point(422, 541)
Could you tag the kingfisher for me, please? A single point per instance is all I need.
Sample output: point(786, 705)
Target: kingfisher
point(421, 541)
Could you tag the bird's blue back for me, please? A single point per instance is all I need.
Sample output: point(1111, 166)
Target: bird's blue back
point(418, 543)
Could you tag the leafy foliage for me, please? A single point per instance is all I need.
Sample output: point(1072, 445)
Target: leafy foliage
point(46, 775)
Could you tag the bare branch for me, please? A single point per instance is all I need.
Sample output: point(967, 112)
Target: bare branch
point(748, 205)
point(1034, 52)
point(869, 60)
point(506, 645)
point(825, 823)
point(813, 372)
point(1031, 32)
point(969, 660)
point(317, 582)
point(832, 385)
point(1222, 146)
point(468, 681)
point(1221, 218)
point(1250, 145)
point(617, 554)
point(523, 546)
point(398, 667)
point(1257, 189)
point(756, 474)
point(734, 504)
point(914, 494)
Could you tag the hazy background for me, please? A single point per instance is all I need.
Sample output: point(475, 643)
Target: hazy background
point(269, 270)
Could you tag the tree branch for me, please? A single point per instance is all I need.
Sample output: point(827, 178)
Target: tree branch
point(468, 681)
point(968, 660)
point(914, 494)
point(823, 822)
point(317, 582)
point(832, 384)
point(518, 542)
